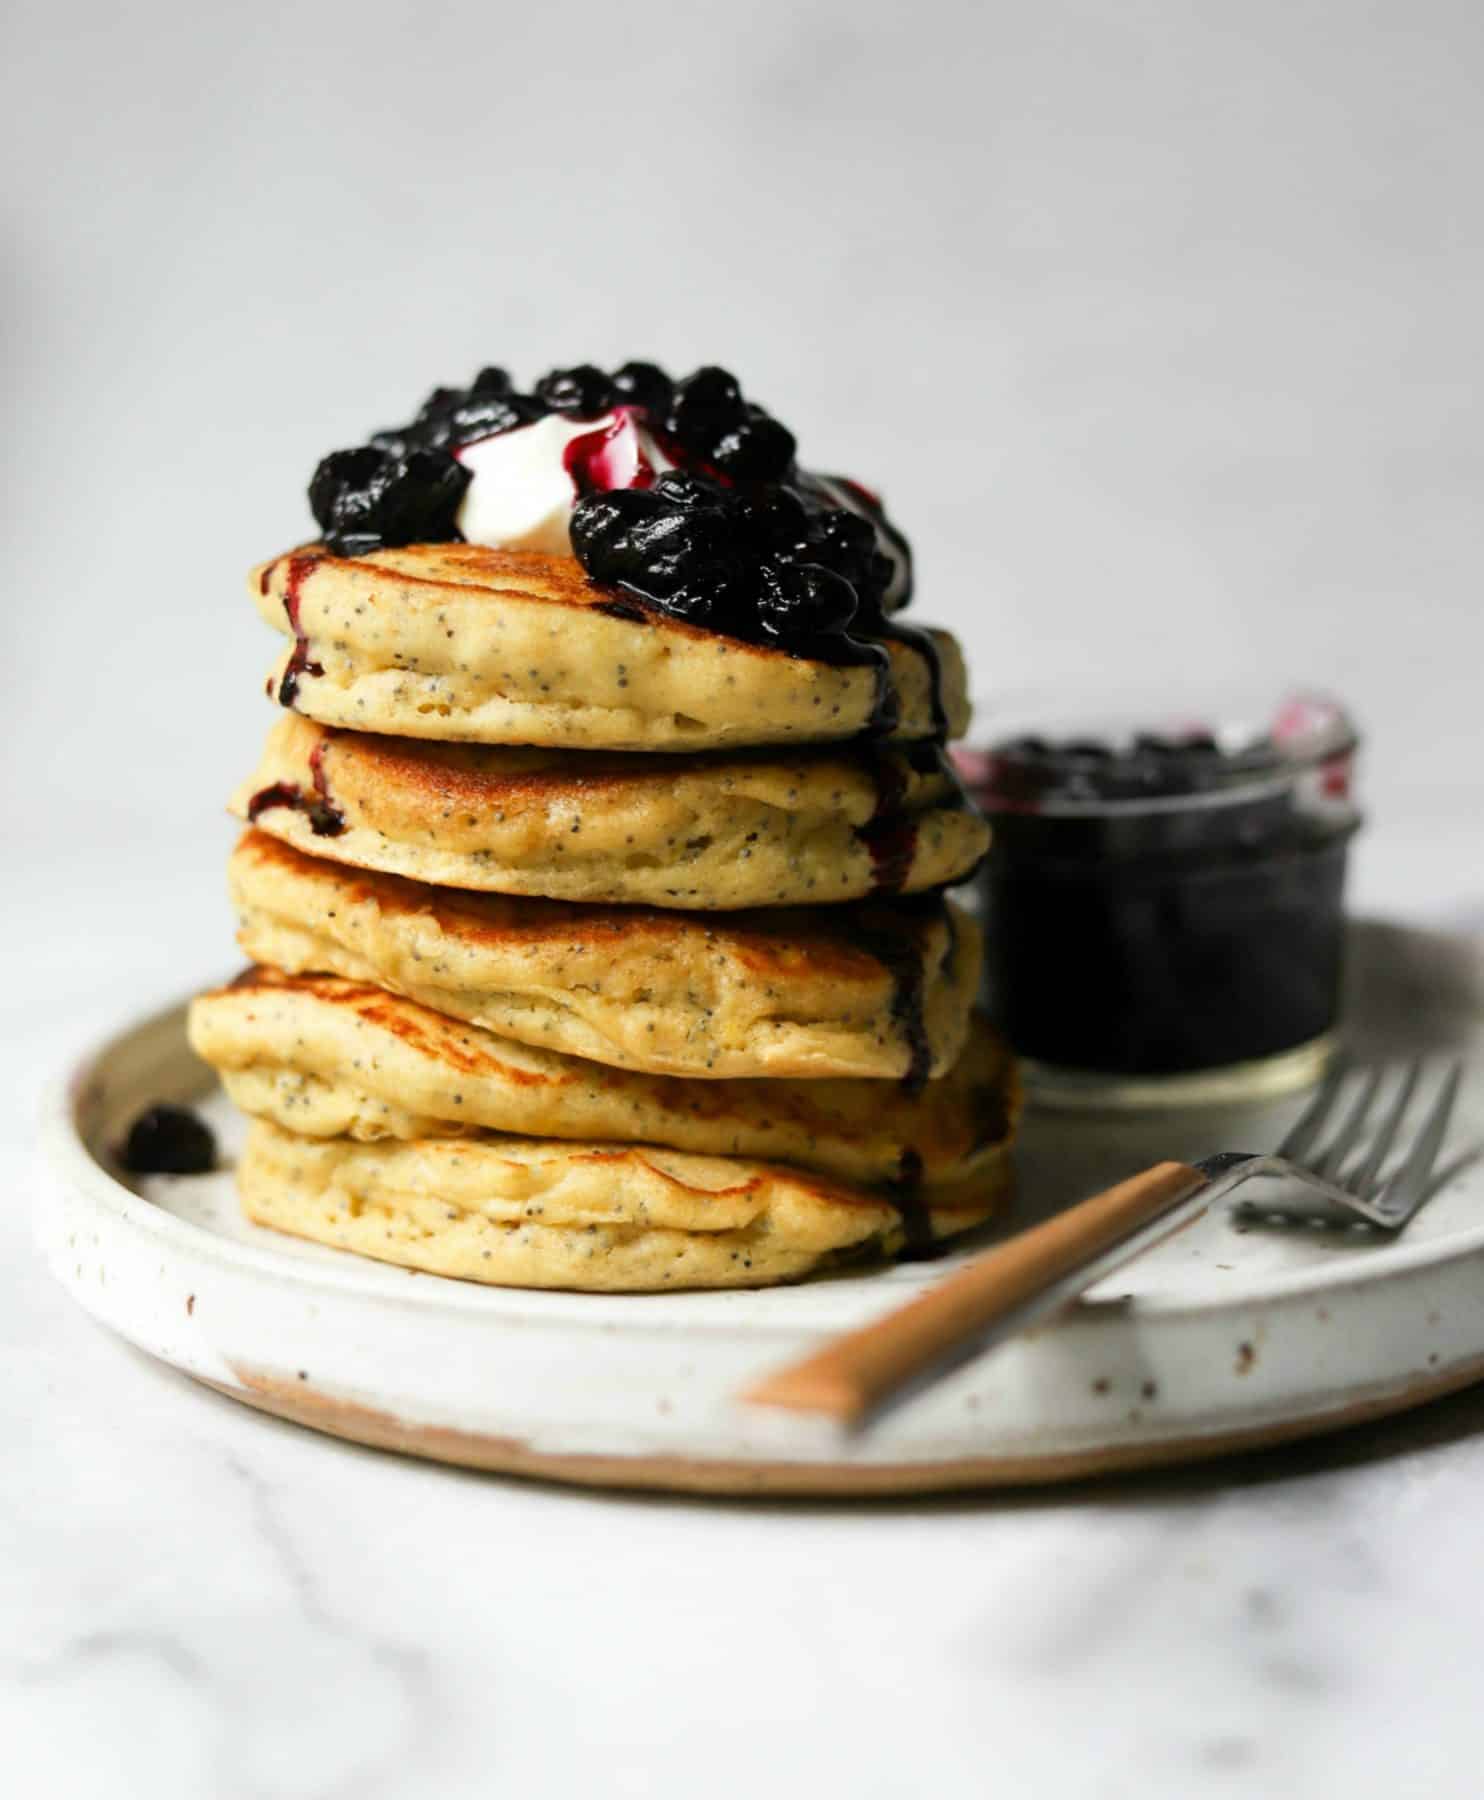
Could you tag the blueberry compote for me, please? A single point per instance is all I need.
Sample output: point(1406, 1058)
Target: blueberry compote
point(734, 537)
point(1167, 903)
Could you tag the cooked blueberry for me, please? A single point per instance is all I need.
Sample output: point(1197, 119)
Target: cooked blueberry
point(434, 422)
point(643, 384)
point(441, 400)
point(492, 382)
point(366, 498)
point(806, 603)
point(758, 449)
point(341, 472)
point(483, 415)
point(757, 563)
point(688, 491)
point(584, 391)
point(169, 1140)
point(704, 406)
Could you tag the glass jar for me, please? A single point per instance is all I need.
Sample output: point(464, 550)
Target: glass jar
point(1162, 901)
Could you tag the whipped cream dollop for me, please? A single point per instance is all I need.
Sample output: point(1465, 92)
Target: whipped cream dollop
point(524, 483)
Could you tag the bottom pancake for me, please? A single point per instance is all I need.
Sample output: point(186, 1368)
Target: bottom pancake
point(534, 1213)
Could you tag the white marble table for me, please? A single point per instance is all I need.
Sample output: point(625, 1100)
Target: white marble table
point(197, 1601)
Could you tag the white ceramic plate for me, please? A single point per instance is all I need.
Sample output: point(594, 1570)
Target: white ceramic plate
point(1222, 1338)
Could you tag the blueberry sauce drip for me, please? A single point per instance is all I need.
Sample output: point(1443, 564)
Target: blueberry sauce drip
point(890, 834)
point(168, 1140)
point(886, 706)
point(926, 645)
point(897, 937)
point(916, 1216)
point(300, 663)
point(737, 540)
point(594, 460)
point(324, 816)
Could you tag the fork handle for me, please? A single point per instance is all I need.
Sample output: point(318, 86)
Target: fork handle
point(856, 1372)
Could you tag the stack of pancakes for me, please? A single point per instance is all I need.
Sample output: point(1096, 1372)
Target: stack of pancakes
point(594, 949)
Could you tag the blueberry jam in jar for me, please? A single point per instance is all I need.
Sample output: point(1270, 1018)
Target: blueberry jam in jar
point(1162, 901)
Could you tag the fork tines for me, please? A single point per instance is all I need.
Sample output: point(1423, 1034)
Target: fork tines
point(1405, 1187)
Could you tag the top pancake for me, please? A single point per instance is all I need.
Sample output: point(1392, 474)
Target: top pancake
point(469, 644)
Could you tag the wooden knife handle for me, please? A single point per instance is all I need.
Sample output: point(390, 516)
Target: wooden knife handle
point(855, 1373)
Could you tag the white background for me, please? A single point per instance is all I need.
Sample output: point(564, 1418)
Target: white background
point(1158, 323)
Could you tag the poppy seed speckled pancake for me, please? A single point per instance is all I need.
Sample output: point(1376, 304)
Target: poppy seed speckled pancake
point(872, 990)
point(464, 643)
point(714, 833)
point(524, 1212)
point(326, 1057)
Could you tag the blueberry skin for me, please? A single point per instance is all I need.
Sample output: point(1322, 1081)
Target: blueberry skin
point(582, 392)
point(643, 384)
point(709, 419)
point(372, 498)
point(758, 565)
point(169, 1140)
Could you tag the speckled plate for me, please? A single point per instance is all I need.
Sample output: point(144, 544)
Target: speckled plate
point(1221, 1339)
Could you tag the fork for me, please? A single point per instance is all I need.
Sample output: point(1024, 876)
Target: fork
point(1039, 1270)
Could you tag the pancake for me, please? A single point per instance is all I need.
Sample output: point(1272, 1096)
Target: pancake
point(521, 1212)
point(460, 642)
point(874, 990)
point(326, 1057)
point(712, 833)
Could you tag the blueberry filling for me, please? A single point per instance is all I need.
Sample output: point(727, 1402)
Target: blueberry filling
point(897, 937)
point(168, 1140)
point(739, 540)
point(367, 498)
point(1161, 906)
point(760, 564)
point(917, 1220)
point(1025, 770)
point(318, 806)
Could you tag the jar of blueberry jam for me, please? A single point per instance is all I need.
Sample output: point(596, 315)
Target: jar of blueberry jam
point(1162, 902)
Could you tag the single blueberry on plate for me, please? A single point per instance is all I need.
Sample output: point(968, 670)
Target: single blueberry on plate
point(169, 1140)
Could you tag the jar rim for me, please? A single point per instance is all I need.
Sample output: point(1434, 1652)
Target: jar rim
point(1124, 756)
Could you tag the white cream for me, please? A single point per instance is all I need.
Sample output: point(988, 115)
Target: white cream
point(521, 494)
